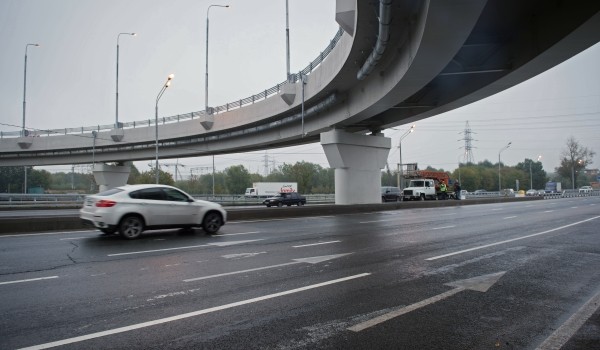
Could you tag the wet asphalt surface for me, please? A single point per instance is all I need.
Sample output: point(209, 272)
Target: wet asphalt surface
point(307, 283)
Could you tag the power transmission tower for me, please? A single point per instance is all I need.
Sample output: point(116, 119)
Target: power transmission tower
point(468, 138)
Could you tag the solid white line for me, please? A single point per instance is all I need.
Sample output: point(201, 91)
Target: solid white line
point(313, 244)
point(443, 227)
point(510, 240)
point(369, 222)
point(190, 314)
point(159, 250)
point(560, 337)
point(44, 234)
point(30, 280)
point(236, 234)
point(238, 272)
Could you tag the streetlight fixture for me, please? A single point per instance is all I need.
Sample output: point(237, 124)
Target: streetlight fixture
point(162, 91)
point(400, 175)
point(206, 69)
point(117, 99)
point(531, 174)
point(499, 183)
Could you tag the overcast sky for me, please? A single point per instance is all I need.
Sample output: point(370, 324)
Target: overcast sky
point(71, 78)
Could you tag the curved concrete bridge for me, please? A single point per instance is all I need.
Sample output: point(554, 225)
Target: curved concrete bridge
point(395, 62)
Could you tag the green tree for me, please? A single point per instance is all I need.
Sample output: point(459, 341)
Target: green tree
point(237, 179)
point(537, 174)
point(149, 177)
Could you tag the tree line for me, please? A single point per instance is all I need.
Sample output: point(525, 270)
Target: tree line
point(314, 179)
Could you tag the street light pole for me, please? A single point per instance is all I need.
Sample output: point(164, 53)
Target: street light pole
point(531, 174)
point(162, 91)
point(206, 68)
point(23, 132)
point(499, 181)
point(117, 97)
point(25, 85)
point(400, 175)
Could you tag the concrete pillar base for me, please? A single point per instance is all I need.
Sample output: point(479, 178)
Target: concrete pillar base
point(110, 176)
point(25, 142)
point(288, 93)
point(345, 13)
point(357, 160)
point(117, 134)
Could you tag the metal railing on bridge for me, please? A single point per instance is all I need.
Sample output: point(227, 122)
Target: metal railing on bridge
point(293, 78)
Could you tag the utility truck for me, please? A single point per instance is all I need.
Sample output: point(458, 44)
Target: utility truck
point(269, 189)
point(425, 184)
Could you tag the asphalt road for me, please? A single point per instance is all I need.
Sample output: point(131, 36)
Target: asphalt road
point(520, 275)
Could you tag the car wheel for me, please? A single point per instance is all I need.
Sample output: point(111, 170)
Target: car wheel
point(280, 204)
point(131, 227)
point(212, 223)
point(300, 204)
point(268, 205)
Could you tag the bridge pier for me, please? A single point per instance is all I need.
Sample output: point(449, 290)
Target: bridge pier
point(110, 176)
point(357, 160)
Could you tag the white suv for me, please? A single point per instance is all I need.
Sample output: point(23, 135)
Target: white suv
point(131, 209)
point(586, 189)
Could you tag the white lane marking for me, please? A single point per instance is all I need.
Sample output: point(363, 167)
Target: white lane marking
point(312, 260)
point(222, 244)
point(479, 284)
point(498, 209)
point(548, 211)
point(313, 244)
point(237, 234)
point(510, 240)
point(190, 314)
point(73, 238)
point(443, 227)
point(573, 207)
point(509, 217)
point(45, 233)
point(557, 339)
point(368, 222)
point(29, 280)
point(266, 220)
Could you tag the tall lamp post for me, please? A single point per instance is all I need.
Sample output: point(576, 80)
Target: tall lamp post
point(502, 149)
point(206, 69)
point(579, 161)
point(23, 131)
point(162, 91)
point(531, 174)
point(117, 99)
point(400, 175)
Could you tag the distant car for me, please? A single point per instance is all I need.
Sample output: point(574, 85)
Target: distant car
point(479, 191)
point(287, 198)
point(390, 194)
point(531, 193)
point(132, 209)
point(507, 192)
point(586, 189)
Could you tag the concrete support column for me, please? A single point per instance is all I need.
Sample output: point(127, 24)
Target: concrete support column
point(110, 176)
point(357, 160)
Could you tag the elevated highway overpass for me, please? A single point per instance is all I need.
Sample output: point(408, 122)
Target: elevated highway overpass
point(393, 62)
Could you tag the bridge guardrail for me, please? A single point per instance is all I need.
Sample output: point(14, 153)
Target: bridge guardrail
point(293, 78)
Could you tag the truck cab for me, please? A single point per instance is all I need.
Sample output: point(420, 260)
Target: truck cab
point(420, 189)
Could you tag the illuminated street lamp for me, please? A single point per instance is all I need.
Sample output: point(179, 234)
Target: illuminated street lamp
point(499, 183)
point(206, 75)
point(117, 99)
point(400, 175)
point(531, 174)
point(162, 91)
point(580, 162)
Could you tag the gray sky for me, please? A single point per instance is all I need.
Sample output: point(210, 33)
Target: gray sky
point(71, 78)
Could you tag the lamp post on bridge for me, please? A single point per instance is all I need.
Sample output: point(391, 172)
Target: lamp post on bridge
point(499, 183)
point(206, 69)
point(117, 94)
point(162, 91)
point(23, 131)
